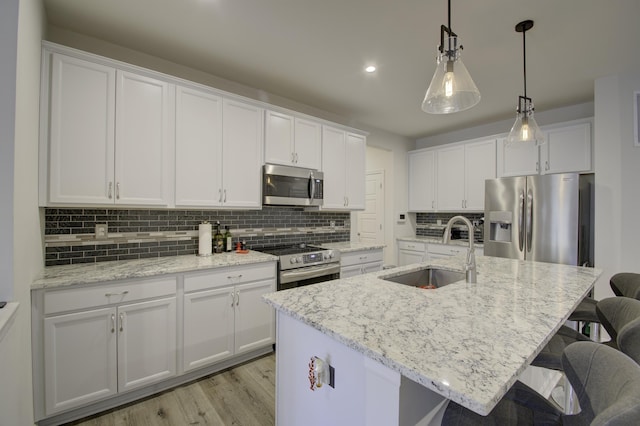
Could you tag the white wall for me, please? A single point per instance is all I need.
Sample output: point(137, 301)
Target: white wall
point(24, 241)
point(617, 172)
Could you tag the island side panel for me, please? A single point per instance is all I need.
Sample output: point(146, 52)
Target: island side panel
point(363, 392)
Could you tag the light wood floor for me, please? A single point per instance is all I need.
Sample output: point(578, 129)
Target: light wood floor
point(243, 396)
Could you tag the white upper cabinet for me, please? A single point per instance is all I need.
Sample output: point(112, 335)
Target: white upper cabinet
point(567, 148)
point(144, 140)
point(240, 168)
point(343, 160)
point(451, 178)
point(198, 148)
point(81, 132)
point(422, 180)
point(110, 138)
point(292, 141)
point(479, 165)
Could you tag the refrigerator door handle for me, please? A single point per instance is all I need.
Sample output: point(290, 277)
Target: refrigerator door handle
point(529, 219)
point(521, 222)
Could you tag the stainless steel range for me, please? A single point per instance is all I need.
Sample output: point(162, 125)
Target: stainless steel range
point(303, 265)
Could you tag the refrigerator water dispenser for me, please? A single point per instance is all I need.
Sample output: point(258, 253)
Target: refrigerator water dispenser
point(500, 223)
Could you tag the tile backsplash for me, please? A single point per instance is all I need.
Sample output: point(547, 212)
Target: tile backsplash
point(143, 233)
point(427, 225)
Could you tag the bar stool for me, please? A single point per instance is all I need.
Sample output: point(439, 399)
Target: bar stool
point(616, 314)
point(626, 284)
point(607, 384)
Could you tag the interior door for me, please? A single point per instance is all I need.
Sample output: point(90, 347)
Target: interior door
point(371, 220)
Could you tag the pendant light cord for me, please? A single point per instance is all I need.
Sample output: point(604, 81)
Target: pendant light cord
point(524, 61)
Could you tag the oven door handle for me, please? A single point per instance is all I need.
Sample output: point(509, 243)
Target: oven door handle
point(309, 272)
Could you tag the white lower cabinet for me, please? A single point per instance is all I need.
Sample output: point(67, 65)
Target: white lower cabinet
point(411, 252)
point(443, 251)
point(95, 343)
point(360, 262)
point(224, 314)
point(100, 351)
point(146, 343)
point(79, 358)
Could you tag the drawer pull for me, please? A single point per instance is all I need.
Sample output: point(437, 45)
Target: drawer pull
point(117, 294)
point(230, 277)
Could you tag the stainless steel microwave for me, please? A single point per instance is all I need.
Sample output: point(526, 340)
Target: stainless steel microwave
point(292, 186)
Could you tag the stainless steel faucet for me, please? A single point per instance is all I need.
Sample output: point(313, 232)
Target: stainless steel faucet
point(470, 262)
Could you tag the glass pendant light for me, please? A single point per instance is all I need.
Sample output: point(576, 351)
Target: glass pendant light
point(451, 88)
point(525, 129)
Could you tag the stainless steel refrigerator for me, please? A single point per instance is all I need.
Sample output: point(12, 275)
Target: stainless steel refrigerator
point(546, 218)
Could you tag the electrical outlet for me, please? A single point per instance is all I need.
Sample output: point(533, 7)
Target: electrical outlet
point(101, 231)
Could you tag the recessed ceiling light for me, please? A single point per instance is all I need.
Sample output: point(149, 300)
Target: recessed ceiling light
point(370, 68)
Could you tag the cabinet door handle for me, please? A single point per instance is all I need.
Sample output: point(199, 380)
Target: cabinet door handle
point(118, 191)
point(537, 166)
point(220, 195)
point(113, 323)
point(225, 196)
point(433, 204)
point(122, 293)
point(233, 298)
point(110, 191)
point(546, 165)
point(237, 298)
point(121, 321)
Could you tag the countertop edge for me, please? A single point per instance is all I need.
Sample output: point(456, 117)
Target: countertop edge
point(73, 275)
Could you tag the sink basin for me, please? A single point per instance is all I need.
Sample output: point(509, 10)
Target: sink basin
point(428, 277)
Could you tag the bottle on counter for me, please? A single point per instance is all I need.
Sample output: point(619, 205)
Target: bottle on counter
point(218, 240)
point(228, 245)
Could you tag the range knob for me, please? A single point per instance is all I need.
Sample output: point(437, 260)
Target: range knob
point(299, 259)
point(330, 255)
point(293, 260)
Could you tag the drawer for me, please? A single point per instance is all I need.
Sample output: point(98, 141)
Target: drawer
point(359, 257)
point(105, 294)
point(412, 245)
point(229, 276)
point(446, 250)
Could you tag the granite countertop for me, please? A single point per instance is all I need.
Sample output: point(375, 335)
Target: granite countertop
point(437, 240)
point(467, 342)
point(67, 275)
point(351, 246)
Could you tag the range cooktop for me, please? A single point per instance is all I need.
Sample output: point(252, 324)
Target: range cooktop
point(290, 249)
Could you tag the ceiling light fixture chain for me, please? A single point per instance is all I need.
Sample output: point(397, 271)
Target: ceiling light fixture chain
point(451, 89)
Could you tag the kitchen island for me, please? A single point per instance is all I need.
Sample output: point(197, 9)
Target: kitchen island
point(399, 353)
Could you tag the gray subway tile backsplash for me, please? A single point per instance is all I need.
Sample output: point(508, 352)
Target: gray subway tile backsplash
point(144, 233)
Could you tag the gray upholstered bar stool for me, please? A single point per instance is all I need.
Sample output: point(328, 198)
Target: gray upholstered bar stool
point(607, 383)
point(620, 316)
point(626, 284)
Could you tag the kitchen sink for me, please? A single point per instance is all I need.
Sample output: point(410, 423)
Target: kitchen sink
point(428, 277)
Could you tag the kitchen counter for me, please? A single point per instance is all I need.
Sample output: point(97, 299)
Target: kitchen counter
point(67, 275)
point(465, 342)
point(350, 246)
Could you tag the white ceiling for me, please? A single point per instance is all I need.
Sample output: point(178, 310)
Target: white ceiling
point(314, 51)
